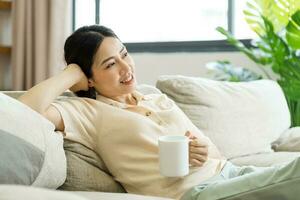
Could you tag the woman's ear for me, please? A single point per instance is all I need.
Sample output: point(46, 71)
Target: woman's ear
point(91, 82)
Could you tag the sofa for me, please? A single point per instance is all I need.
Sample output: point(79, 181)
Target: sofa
point(249, 122)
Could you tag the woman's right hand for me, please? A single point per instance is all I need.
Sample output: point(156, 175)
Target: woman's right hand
point(198, 150)
point(82, 83)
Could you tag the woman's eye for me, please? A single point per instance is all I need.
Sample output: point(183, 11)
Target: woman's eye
point(110, 65)
point(125, 54)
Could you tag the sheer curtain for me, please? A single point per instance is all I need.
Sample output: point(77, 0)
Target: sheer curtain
point(40, 28)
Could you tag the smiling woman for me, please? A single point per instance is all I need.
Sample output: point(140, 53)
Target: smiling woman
point(106, 66)
point(116, 115)
point(113, 70)
point(122, 126)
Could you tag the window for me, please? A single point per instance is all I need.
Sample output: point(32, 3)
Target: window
point(240, 27)
point(165, 22)
point(84, 13)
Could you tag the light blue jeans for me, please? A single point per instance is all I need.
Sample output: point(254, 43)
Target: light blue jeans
point(249, 182)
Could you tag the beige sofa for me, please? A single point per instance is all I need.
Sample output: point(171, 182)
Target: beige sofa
point(249, 123)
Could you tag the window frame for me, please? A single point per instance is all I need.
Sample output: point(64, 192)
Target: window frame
point(178, 46)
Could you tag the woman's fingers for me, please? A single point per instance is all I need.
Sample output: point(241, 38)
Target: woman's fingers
point(82, 83)
point(197, 160)
point(199, 150)
point(198, 143)
point(190, 135)
point(198, 157)
point(196, 163)
point(198, 153)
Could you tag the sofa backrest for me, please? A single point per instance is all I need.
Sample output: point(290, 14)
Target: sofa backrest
point(241, 118)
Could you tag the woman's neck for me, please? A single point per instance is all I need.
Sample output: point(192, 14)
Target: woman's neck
point(127, 99)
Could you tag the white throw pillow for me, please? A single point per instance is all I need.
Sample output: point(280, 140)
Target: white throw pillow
point(31, 152)
point(288, 141)
point(240, 118)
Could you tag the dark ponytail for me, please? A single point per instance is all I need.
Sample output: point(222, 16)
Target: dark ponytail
point(81, 47)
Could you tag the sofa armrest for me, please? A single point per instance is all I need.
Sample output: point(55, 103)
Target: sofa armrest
point(288, 141)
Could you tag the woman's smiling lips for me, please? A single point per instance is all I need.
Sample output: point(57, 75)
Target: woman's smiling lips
point(128, 80)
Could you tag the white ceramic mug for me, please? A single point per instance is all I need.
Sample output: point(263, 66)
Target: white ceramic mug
point(173, 155)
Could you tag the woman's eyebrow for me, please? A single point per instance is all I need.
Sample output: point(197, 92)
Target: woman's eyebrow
point(105, 60)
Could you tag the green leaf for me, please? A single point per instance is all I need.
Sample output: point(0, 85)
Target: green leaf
point(252, 16)
point(265, 48)
point(278, 47)
point(254, 6)
point(277, 11)
point(293, 31)
point(239, 45)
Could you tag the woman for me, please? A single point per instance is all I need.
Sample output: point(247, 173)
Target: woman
point(120, 124)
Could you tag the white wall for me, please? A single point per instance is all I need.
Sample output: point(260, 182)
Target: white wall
point(149, 66)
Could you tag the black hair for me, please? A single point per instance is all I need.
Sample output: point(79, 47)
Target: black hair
point(80, 48)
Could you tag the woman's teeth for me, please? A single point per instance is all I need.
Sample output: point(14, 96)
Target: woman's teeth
point(127, 80)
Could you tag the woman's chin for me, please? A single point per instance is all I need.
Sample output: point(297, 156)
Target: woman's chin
point(130, 88)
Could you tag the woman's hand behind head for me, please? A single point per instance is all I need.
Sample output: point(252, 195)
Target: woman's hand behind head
point(82, 83)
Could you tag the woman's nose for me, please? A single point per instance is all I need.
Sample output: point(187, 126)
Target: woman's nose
point(125, 68)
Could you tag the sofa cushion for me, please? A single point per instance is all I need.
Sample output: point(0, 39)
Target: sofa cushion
point(240, 118)
point(115, 196)
point(13, 192)
point(31, 152)
point(265, 159)
point(288, 141)
point(86, 171)
point(21, 161)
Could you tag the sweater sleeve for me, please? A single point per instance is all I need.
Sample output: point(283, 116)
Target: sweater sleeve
point(78, 115)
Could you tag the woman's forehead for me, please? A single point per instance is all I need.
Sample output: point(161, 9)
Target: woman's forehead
point(110, 46)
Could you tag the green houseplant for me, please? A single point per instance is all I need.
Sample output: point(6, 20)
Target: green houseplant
point(277, 25)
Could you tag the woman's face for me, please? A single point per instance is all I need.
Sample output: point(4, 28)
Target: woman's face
point(113, 69)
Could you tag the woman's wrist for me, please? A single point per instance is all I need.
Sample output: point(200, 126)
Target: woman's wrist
point(74, 71)
point(78, 78)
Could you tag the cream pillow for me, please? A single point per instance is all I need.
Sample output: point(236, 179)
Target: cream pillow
point(240, 118)
point(288, 141)
point(31, 152)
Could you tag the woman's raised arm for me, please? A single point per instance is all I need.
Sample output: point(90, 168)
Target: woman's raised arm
point(43, 94)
